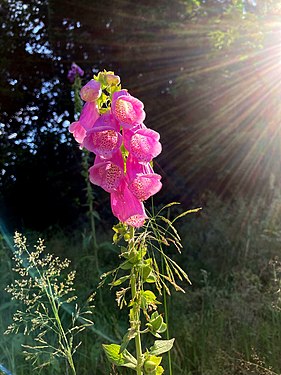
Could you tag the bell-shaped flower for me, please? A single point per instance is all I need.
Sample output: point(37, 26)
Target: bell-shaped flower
point(88, 117)
point(107, 173)
point(91, 91)
point(142, 181)
point(126, 207)
point(127, 109)
point(104, 138)
point(143, 143)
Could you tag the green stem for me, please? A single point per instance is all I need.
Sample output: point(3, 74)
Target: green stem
point(90, 202)
point(167, 319)
point(136, 310)
point(136, 322)
point(68, 352)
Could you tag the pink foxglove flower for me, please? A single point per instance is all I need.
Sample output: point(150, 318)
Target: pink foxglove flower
point(91, 91)
point(127, 109)
point(124, 172)
point(88, 117)
point(104, 138)
point(143, 143)
point(126, 207)
point(142, 181)
point(107, 173)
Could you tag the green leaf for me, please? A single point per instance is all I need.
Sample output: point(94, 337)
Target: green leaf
point(126, 265)
point(151, 278)
point(156, 324)
point(128, 336)
point(124, 359)
point(161, 346)
point(146, 268)
point(120, 281)
point(159, 370)
point(163, 328)
point(148, 298)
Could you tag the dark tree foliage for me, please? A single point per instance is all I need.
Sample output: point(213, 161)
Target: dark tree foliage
point(204, 70)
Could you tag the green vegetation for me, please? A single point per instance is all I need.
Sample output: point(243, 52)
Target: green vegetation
point(228, 321)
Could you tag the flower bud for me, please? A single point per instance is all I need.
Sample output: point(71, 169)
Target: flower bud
point(91, 91)
point(150, 367)
point(112, 79)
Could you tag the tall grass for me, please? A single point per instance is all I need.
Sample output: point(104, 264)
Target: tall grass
point(228, 322)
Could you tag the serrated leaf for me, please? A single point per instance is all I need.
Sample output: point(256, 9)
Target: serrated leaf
point(161, 346)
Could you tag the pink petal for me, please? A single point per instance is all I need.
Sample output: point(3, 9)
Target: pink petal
point(107, 173)
point(126, 207)
point(103, 139)
point(143, 182)
point(91, 91)
point(143, 144)
point(89, 115)
point(127, 109)
point(78, 131)
point(145, 185)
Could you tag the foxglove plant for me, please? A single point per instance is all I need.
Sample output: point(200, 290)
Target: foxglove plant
point(111, 126)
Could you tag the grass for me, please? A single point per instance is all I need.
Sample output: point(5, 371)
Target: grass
point(229, 320)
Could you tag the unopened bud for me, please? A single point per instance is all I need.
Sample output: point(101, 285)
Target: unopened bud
point(112, 79)
point(150, 366)
point(91, 91)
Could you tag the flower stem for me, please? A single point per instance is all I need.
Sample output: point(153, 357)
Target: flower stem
point(90, 202)
point(136, 322)
point(136, 312)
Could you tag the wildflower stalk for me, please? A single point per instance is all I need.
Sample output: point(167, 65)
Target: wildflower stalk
point(136, 323)
point(111, 126)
